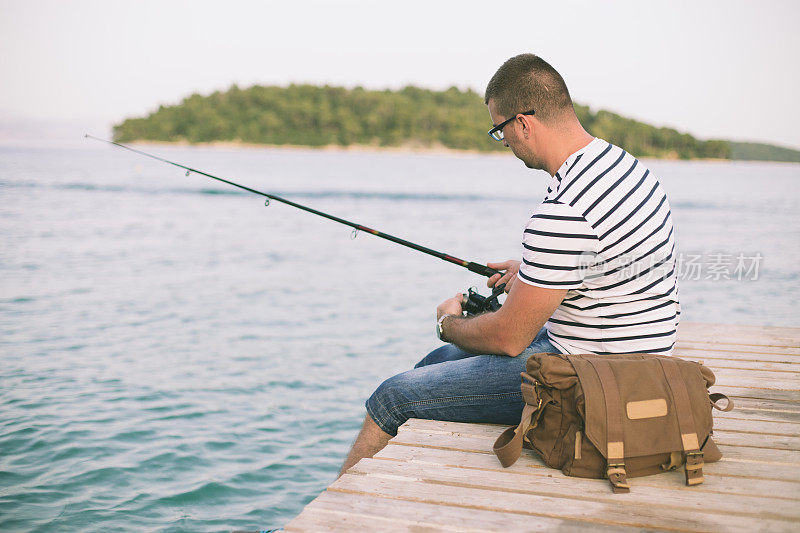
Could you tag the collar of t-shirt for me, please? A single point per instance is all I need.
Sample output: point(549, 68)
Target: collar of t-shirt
point(563, 171)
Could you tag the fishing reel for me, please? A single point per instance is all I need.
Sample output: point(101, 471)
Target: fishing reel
point(475, 303)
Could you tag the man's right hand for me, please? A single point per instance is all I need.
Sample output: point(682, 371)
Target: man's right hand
point(509, 275)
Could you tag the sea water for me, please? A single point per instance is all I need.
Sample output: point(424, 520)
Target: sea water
point(176, 356)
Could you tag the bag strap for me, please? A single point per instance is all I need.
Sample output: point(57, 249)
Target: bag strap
point(615, 458)
point(717, 396)
point(686, 423)
point(508, 446)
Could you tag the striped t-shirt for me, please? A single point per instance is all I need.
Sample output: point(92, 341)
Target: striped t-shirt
point(604, 231)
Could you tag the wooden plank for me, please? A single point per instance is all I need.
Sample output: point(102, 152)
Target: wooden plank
point(313, 519)
point(737, 345)
point(763, 379)
point(709, 355)
point(745, 366)
point(758, 374)
point(757, 440)
point(483, 443)
point(689, 518)
point(759, 404)
point(715, 328)
point(761, 427)
point(788, 488)
point(375, 513)
point(736, 342)
point(733, 379)
point(725, 334)
point(759, 414)
point(725, 433)
point(737, 391)
point(754, 353)
point(780, 458)
point(596, 490)
point(728, 467)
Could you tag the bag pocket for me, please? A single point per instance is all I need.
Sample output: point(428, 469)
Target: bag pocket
point(585, 460)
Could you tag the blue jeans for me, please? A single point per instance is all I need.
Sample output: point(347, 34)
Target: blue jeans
point(454, 385)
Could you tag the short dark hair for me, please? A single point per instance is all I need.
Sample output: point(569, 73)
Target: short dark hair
point(527, 82)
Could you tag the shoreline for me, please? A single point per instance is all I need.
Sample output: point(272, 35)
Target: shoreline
point(406, 149)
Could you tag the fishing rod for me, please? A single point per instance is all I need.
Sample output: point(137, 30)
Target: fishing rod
point(474, 303)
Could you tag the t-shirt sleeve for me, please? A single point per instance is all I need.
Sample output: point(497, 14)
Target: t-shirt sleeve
point(558, 246)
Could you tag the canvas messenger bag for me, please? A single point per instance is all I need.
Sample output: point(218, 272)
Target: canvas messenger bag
point(615, 416)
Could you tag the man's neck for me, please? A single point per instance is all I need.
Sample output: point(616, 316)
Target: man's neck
point(567, 145)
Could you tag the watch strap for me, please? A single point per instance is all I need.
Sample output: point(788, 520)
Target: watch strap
point(439, 329)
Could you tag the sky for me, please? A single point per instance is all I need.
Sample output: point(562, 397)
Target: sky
point(715, 69)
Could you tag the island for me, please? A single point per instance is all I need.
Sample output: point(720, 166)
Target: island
point(412, 118)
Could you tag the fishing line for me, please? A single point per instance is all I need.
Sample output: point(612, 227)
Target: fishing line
point(477, 268)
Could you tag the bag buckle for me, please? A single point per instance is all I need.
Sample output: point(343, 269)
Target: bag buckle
point(530, 395)
point(618, 478)
point(694, 467)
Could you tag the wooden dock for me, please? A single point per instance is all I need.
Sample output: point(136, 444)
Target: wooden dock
point(442, 476)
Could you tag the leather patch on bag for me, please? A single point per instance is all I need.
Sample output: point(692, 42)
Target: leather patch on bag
point(646, 409)
point(616, 450)
point(690, 441)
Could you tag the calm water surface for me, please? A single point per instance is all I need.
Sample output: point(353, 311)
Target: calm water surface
point(175, 356)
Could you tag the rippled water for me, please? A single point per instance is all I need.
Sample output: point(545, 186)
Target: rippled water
point(175, 356)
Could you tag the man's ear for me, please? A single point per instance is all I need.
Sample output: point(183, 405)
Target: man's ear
point(527, 125)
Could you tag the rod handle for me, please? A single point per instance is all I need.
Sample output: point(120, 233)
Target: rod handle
point(483, 270)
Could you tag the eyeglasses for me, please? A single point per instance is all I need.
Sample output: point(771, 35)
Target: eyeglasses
point(496, 132)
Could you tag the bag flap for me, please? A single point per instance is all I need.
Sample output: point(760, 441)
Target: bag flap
point(649, 422)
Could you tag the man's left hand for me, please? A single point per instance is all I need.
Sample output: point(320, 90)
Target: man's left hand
point(451, 306)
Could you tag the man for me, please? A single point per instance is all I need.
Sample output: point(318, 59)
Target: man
point(597, 272)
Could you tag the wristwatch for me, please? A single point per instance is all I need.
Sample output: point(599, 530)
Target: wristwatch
point(439, 331)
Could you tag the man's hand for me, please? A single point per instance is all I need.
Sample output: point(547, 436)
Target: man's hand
point(510, 268)
point(451, 306)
